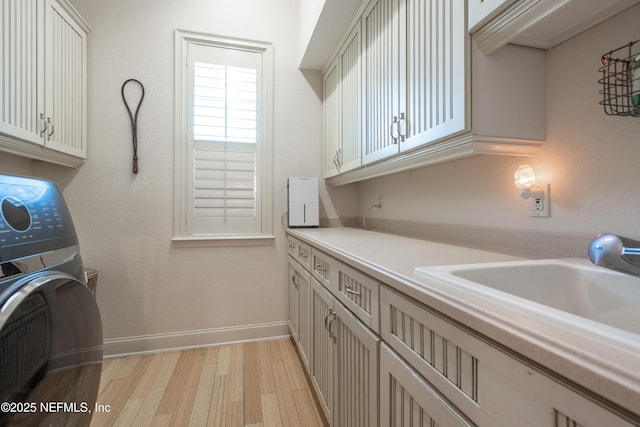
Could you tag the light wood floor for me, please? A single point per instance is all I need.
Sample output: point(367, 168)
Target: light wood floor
point(251, 384)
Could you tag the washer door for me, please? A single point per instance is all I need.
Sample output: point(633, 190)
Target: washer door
point(50, 353)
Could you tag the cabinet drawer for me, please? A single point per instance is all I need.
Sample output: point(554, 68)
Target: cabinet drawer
point(324, 268)
point(491, 387)
point(300, 251)
point(358, 292)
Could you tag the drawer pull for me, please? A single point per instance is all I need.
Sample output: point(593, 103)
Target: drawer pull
point(321, 268)
point(302, 254)
point(349, 291)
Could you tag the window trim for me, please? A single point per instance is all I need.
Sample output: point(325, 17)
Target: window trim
point(180, 236)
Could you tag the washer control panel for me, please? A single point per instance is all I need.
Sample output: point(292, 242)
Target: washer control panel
point(31, 210)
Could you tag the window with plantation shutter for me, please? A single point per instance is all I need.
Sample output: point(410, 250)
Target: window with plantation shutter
point(225, 157)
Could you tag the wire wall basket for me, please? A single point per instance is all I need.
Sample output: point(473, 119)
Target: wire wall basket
point(620, 80)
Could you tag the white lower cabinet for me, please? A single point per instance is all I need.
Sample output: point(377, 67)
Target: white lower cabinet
point(424, 369)
point(344, 367)
point(488, 385)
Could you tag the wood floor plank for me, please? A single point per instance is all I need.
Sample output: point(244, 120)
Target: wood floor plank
point(252, 403)
point(158, 364)
point(114, 395)
point(153, 384)
point(275, 350)
point(270, 410)
point(163, 420)
point(184, 401)
point(267, 384)
point(218, 410)
point(295, 373)
point(202, 401)
point(286, 404)
point(129, 412)
point(236, 373)
point(308, 412)
point(212, 356)
point(223, 363)
point(234, 415)
point(118, 390)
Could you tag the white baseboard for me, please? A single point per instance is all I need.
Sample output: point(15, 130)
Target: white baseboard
point(174, 341)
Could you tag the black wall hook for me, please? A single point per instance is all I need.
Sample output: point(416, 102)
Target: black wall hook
point(134, 120)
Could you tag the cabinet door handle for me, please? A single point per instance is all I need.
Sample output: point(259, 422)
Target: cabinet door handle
point(330, 326)
point(402, 135)
point(293, 279)
point(394, 122)
point(326, 319)
point(349, 291)
point(53, 129)
point(45, 125)
point(321, 268)
point(335, 159)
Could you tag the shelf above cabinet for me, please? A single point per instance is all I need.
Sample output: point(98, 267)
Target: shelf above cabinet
point(329, 26)
point(536, 23)
point(465, 145)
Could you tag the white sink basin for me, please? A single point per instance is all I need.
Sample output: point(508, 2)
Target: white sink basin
point(573, 286)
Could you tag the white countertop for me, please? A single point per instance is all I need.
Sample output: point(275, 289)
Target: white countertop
point(607, 368)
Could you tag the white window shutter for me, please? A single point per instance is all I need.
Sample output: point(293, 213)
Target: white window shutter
point(224, 120)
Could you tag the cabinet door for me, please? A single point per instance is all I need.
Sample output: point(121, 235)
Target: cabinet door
point(323, 346)
point(351, 125)
point(331, 121)
point(433, 98)
point(21, 69)
point(407, 400)
point(356, 378)
point(294, 304)
point(382, 64)
point(304, 315)
point(65, 82)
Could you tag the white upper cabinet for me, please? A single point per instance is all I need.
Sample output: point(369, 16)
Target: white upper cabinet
point(342, 108)
point(537, 23)
point(414, 62)
point(428, 96)
point(43, 81)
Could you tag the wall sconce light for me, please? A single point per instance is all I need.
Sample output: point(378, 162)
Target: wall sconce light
point(525, 181)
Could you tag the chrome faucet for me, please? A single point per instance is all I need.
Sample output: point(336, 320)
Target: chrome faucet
point(616, 252)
